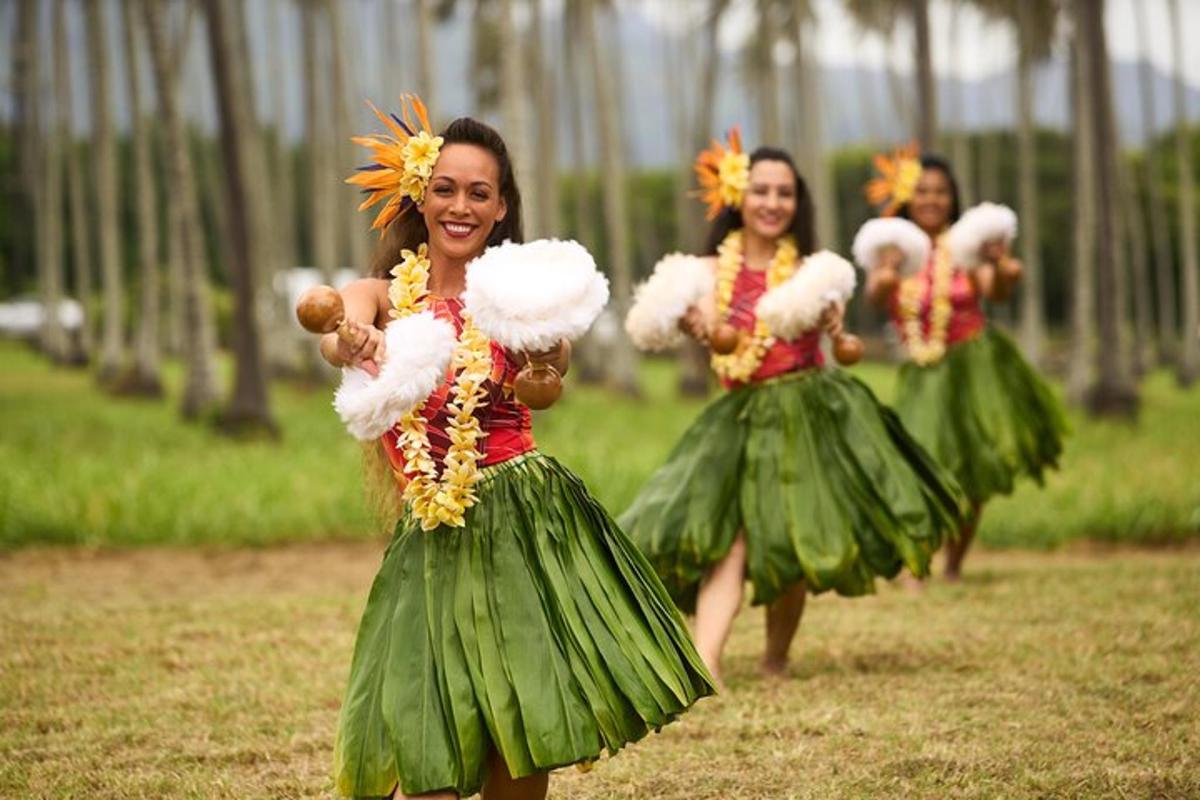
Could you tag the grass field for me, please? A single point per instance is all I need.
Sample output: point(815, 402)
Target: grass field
point(84, 468)
point(159, 673)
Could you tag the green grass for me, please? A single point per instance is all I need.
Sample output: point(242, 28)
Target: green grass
point(180, 673)
point(84, 468)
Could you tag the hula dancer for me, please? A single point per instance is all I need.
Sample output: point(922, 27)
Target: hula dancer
point(512, 628)
point(966, 393)
point(796, 476)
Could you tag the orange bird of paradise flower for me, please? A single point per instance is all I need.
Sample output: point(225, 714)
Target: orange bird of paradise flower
point(723, 172)
point(402, 162)
point(897, 179)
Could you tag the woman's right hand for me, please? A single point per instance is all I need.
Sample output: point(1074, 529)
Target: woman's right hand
point(694, 324)
point(362, 346)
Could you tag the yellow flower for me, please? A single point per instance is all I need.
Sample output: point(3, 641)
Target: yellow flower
point(733, 172)
point(421, 153)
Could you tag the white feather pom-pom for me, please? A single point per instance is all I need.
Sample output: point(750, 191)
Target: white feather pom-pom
point(678, 281)
point(417, 354)
point(795, 306)
point(876, 234)
point(984, 223)
point(532, 296)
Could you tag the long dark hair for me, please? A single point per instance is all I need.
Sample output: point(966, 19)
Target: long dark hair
point(803, 227)
point(931, 161)
point(408, 232)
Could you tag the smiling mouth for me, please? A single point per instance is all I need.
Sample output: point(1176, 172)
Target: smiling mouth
point(458, 230)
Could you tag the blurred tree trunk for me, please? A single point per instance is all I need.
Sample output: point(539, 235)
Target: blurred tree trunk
point(514, 112)
point(73, 157)
point(42, 179)
point(146, 378)
point(354, 224)
point(622, 366)
point(24, 212)
point(1032, 320)
point(249, 408)
point(544, 88)
point(426, 63)
point(582, 199)
point(1113, 391)
point(1083, 292)
point(964, 169)
point(762, 64)
point(905, 114)
point(809, 86)
point(1160, 234)
point(183, 215)
point(104, 158)
point(321, 227)
point(927, 120)
point(1189, 353)
point(1135, 231)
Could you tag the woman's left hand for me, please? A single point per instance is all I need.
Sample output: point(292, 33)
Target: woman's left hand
point(558, 356)
point(833, 319)
point(994, 251)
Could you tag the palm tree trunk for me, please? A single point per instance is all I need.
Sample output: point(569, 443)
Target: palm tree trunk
point(27, 137)
point(964, 169)
point(544, 88)
point(81, 247)
point(1032, 320)
point(183, 217)
point(146, 378)
point(104, 157)
point(61, 149)
point(1160, 235)
point(426, 65)
point(515, 113)
point(249, 407)
point(47, 188)
point(353, 223)
point(1083, 292)
point(812, 105)
point(1135, 230)
point(1112, 392)
point(580, 184)
point(320, 224)
point(622, 372)
point(765, 86)
point(927, 122)
point(1189, 353)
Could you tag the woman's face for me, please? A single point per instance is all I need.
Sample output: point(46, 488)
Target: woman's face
point(770, 201)
point(932, 201)
point(463, 201)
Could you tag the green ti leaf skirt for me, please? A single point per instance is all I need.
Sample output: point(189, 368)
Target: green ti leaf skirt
point(984, 414)
point(824, 480)
point(537, 630)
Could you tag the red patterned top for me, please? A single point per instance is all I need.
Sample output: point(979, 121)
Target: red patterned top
point(507, 424)
point(966, 316)
point(784, 356)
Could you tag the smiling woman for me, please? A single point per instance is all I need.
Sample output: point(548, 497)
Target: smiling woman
point(512, 628)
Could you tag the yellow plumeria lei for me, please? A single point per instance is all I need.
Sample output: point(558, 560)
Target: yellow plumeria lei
point(928, 350)
point(743, 362)
point(442, 502)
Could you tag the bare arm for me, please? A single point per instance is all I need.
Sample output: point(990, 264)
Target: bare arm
point(883, 279)
point(365, 302)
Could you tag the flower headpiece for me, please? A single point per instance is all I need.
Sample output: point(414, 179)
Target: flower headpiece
point(403, 162)
point(897, 180)
point(724, 174)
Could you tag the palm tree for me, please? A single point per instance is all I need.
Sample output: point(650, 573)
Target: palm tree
point(1189, 353)
point(514, 110)
point(81, 249)
point(960, 146)
point(104, 158)
point(760, 67)
point(622, 372)
point(323, 242)
point(249, 407)
point(146, 378)
point(353, 223)
point(183, 216)
point(882, 16)
point(426, 69)
point(1083, 292)
point(1034, 22)
point(811, 123)
point(1164, 270)
point(25, 128)
point(1113, 391)
point(544, 88)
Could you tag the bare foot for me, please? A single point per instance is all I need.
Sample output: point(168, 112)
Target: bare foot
point(911, 583)
point(773, 668)
point(952, 575)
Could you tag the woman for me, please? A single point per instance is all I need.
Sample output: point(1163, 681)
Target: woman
point(966, 393)
point(796, 476)
point(519, 630)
